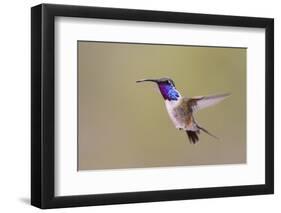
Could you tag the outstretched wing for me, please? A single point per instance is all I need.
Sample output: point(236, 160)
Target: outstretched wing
point(198, 103)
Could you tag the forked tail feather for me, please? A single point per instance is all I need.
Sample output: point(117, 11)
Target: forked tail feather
point(193, 135)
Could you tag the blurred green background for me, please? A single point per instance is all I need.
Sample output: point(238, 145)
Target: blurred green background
point(122, 124)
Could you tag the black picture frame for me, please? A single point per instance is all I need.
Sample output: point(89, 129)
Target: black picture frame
point(43, 102)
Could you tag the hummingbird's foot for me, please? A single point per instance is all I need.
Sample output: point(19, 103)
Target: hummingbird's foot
point(179, 128)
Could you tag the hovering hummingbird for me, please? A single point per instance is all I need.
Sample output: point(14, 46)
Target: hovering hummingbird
point(181, 109)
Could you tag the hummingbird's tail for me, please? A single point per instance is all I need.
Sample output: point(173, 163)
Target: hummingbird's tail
point(193, 135)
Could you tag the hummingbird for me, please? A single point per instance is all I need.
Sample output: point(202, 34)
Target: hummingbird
point(181, 109)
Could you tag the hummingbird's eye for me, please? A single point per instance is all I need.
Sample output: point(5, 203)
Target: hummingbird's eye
point(171, 82)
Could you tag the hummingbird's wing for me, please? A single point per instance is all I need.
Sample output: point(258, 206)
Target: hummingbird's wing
point(201, 102)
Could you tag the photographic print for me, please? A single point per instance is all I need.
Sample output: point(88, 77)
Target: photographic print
point(131, 106)
point(160, 105)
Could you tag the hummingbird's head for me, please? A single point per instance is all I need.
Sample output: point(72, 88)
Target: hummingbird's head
point(166, 86)
point(160, 81)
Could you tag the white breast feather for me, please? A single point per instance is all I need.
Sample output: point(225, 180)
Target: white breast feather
point(170, 106)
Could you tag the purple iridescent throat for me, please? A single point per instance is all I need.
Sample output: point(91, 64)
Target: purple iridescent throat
point(168, 91)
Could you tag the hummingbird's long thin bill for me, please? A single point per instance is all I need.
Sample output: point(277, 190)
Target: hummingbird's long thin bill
point(144, 80)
